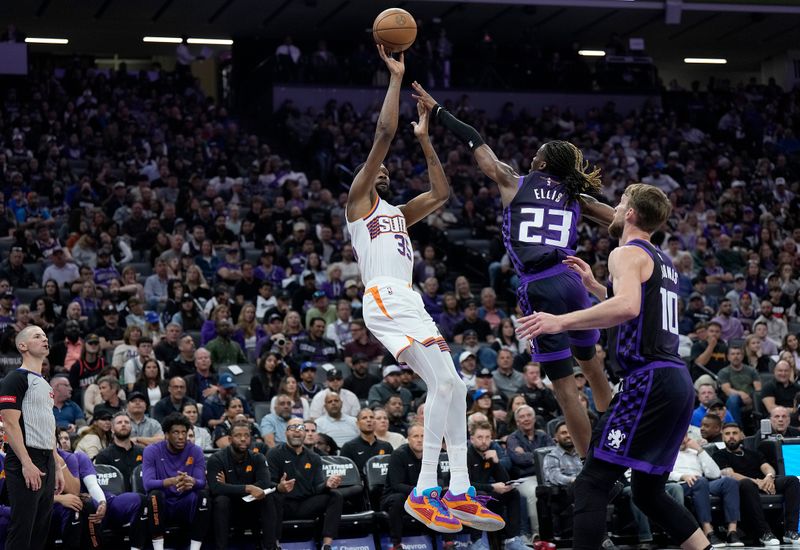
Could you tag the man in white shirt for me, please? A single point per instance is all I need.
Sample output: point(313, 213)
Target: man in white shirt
point(776, 327)
point(469, 366)
point(701, 478)
point(339, 427)
point(61, 271)
point(350, 403)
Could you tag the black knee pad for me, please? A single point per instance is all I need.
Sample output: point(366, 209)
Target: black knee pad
point(584, 353)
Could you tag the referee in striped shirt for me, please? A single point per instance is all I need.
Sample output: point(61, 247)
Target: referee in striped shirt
point(33, 468)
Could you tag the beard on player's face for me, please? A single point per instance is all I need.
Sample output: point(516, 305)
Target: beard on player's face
point(615, 229)
point(384, 191)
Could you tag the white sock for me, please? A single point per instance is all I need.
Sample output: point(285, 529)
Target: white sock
point(158, 544)
point(430, 364)
point(455, 435)
point(195, 544)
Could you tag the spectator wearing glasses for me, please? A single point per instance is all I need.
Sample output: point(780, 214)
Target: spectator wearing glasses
point(303, 491)
point(69, 414)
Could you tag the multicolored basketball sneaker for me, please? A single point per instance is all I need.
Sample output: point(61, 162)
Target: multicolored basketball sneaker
point(429, 510)
point(471, 510)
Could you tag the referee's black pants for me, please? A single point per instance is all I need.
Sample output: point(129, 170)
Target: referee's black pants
point(30, 510)
point(327, 504)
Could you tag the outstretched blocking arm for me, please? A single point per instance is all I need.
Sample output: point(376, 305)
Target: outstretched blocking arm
point(499, 172)
point(422, 205)
point(362, 191)
point(593, 209)
point(629, 267)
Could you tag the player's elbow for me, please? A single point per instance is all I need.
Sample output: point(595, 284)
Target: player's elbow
point(384, 132)
point(628, 310)
point(440, 195)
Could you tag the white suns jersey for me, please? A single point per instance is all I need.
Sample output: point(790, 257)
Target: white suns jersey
point(381, 243)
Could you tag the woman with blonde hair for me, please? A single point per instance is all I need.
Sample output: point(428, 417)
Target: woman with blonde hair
point(248, 331)
point(96, 437)
point(197, 285)
point(293, 326)
point(754, 356)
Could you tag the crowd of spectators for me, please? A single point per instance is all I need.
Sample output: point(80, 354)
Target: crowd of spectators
point(158, 243)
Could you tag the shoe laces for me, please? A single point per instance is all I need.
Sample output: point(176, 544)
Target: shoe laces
point(483, 500)
point(441, 506)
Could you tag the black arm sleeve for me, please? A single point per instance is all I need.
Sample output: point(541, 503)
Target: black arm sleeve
point(468, 135)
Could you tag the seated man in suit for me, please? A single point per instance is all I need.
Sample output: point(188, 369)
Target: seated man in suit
point(755, 477)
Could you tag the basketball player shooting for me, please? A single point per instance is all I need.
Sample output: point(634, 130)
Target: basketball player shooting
point(541, 211)
point(395, 314)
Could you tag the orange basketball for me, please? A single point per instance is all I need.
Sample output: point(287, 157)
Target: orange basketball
point(395, 29)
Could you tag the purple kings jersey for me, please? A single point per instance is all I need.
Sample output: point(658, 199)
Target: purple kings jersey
point(652, 336)
point(539, 225)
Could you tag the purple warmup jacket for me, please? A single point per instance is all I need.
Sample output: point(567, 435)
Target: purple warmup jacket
point(159, 463)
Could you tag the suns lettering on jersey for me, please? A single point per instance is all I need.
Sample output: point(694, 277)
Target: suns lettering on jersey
point(386, 224)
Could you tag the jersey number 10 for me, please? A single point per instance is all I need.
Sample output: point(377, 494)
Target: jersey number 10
point(669, 311)
point(558, 231)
